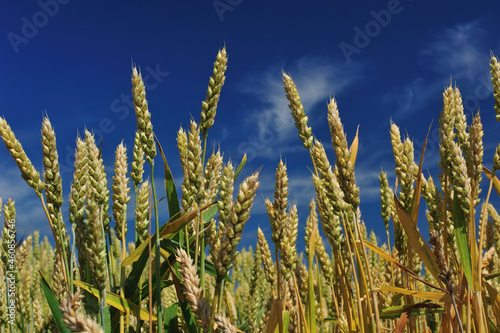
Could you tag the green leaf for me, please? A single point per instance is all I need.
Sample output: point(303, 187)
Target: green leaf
point(170, 319)
point(416, 240)
point(240, 167)
point(420, 309)
point(491, 276)
point(172, 198)
point(461, 241)
point(54, 305)
point(415, 205)
point(170, 229)
point(107, 320)
point(311, 299)
point(493, 328)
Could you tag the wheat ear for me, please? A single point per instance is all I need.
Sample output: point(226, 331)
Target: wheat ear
point(76, 321)
point(209, 106)
point(28, 171)
point(120, 192)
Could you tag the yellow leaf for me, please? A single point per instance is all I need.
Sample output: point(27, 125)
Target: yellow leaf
point(494, 298)
point(496, 182)
point(275, 316)
point(116, 301)
point(416, 241)
point(396, 263)
point(354, 148)
point(438, 296)
point(173, 227)
point(170, 229)
point(134, 256)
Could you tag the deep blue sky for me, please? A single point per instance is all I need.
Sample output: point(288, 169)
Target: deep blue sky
point(75, 64)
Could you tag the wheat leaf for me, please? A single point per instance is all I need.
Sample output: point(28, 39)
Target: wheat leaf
point(416, 241)
point(116, 301)
point(461, 240)
point(438, 296)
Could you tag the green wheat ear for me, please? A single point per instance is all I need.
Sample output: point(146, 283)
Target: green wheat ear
point(495, 80)
point(209, 106)
point(28, 171)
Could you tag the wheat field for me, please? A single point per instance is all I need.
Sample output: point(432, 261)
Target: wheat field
point(188, 276)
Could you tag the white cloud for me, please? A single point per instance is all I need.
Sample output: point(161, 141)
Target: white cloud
point(457, 51)
point(316, 79)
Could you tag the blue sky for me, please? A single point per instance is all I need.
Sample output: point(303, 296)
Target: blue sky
point(382, 60)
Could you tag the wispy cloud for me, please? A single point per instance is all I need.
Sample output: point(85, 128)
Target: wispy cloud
point(458, 51)
point(316, 78)
point(29, 212)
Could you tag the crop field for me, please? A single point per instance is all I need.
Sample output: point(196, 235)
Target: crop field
point(186, 272)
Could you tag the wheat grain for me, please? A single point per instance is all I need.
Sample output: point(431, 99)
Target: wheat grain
point(58, 278)
point(298, 114)
point(23, 252)
point(225, 202)
point(386, 196)
point(267, 261)
point(343, 162)
point(212, 178)
point(144, 125)
point(77, 198)
point(120, 192)
point(460, 122)
point(53, 185)
point(288, 246)
point(474, 158)
point(329, 220)
point(460, 179)
point(209, 106)
point(278, 214)
point(238, 218)
point(96, 247)
point(9, 214)
point(311, 225)
point(142, 212)
point(76, 321)
point(98, 183)
point(328, 179)
point(137, 167)
point(495, 80)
